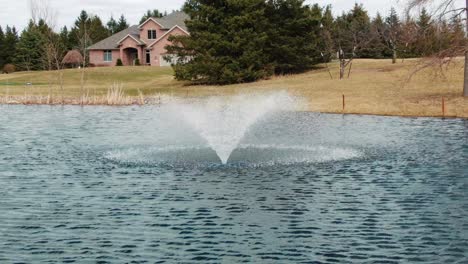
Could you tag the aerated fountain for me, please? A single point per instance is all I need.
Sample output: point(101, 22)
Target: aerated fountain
point(240, 179)
point(223, 122)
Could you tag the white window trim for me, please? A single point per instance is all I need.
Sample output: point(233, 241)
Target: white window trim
point(106, 55)
point(151, 30)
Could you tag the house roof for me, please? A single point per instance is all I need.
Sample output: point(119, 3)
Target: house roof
point(136, 38)
point(112, 42)
point(174, 19)
point(168, 32)
point(168, 23)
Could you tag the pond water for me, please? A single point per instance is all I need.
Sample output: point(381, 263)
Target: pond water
point(138, 185)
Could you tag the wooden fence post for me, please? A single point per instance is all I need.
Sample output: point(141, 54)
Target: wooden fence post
point(443, 107)
point(344, 103)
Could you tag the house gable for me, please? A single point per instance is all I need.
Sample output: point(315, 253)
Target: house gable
point(176, 30)
point(151, 25)
point(129, 39)
point(149, 20)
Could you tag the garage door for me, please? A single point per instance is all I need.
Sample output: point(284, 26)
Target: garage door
point(163, 62)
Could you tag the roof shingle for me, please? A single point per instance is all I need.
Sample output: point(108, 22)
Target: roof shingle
point(112, 41)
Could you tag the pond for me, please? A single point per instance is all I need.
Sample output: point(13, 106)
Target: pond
point(138, 185)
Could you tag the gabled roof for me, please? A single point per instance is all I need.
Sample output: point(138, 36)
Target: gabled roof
point(165, 34)
point(168, 22)
point(112, 42)
point(135, 38)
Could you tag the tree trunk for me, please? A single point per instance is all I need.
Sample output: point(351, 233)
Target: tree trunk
point(465, 84)
point(342, 68)
point(394, 56)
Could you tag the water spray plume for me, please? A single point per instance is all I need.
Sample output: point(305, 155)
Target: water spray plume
point(223, 121)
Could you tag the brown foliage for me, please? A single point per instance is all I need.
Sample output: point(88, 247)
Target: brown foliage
point(9, 68)
point(73, 57)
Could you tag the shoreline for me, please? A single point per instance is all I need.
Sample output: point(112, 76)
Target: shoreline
point(156, 101)
point(375, 87)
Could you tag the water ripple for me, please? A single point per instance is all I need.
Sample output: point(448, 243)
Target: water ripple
point(71, 191)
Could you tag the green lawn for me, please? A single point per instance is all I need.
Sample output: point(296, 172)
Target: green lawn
point(97, 80)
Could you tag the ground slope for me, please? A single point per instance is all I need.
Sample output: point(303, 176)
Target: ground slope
point(374, 87)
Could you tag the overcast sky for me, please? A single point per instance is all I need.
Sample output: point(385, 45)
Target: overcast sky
point(17, 12)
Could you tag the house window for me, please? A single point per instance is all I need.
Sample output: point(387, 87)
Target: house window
point(108, 55)
point(151, 34)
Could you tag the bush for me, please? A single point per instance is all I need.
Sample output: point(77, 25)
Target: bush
point(119, 62)
point(137, 62)
point(9, 68)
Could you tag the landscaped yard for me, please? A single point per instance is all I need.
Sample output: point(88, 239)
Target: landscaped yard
point(374, 87)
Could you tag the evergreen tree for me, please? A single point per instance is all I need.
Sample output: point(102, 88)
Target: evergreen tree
point(293, 37)
point(457, 32)
point(112, 26)
point(2, 46)
point(352, 33)
point(10, 42)
point(65, 38)
point(122, 24)
point(151, 13)
point(328, 27)
point(30, 48)
point(392, 33)
point(227, 42)
point(97, 30)
point(377, 46)
point(79, 34)
point(426, 36)
point(88, 29)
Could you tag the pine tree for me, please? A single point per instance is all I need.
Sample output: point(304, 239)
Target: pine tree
point(79, 34)
point(112, 26)
point(457, 32)
point(392, 33)
point(30, 48)
point(122, 24)
point(87, 30)
point(10, 42)
point(328, 27)
point(294, 33)
point(426, 42)
point(65, 38)
point(2, 46)
point(97, 30)
point(227, 42)
point(151, 13)
point(377, 46)
point(352, 33)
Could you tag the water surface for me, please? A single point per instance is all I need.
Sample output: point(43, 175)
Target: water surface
point(138, 185)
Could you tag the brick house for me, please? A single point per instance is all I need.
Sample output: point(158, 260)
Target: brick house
point(146, 42)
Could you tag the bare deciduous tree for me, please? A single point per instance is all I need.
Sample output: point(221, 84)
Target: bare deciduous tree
point(448, 9)
point(53, 49)
point(84, 42)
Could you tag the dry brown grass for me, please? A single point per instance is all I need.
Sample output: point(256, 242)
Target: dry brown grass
point(375, 87)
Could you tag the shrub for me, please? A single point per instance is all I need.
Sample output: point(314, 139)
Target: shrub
point(9, 68)
point(119, 62)
point(137, 62)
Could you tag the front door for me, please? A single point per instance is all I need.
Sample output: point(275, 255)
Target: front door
point(133, 57)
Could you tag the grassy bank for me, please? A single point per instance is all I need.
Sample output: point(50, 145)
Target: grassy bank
point(374, 87)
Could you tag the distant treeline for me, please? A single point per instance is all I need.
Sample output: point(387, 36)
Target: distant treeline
point(244, 41)
point(248, 40)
